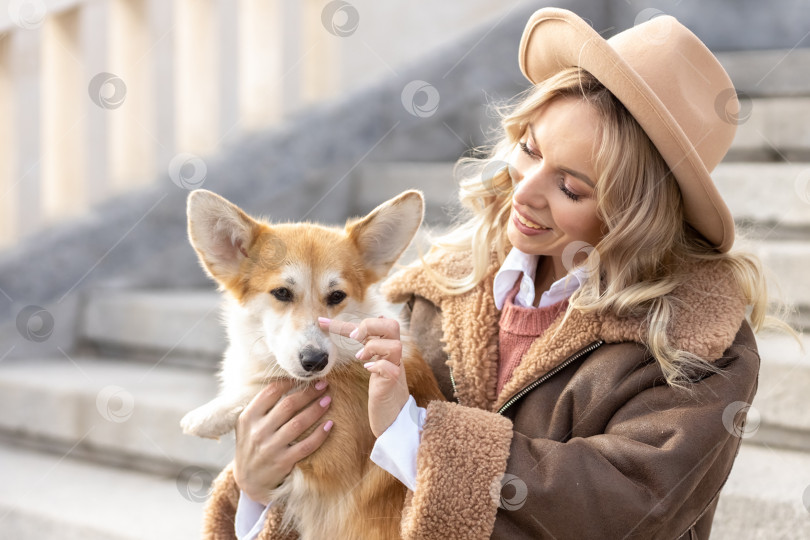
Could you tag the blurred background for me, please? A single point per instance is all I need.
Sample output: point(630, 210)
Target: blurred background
point(113, 110)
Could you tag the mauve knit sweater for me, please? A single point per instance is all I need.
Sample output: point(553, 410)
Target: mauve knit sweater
point(519, 327)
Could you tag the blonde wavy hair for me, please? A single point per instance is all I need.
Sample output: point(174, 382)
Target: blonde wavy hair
point(647, 244)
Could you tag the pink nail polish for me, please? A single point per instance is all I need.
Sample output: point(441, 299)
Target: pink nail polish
point(359, 353)
point(328, 425)
point(325, 401)
point(368, 364)
point(320, 385)
point(354, 333)
point(324, 320)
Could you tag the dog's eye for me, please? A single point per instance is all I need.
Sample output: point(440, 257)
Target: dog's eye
point(335, 298)
point(282, 294)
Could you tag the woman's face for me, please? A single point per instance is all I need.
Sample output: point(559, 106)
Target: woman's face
point(553, 170)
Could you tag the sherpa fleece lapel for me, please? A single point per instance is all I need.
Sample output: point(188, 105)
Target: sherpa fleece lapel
point(469, 324)
point(707, 317)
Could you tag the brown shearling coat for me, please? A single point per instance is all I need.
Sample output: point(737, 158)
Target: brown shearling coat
point(586, 440)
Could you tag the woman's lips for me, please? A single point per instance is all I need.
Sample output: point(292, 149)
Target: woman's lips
point(526, 226)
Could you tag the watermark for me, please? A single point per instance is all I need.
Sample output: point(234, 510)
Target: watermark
point(509, 491)
point(273, 253)
point(427, 106)
point(194, 484)
point(575, 255)
point(802, 185)
point(27, 14)
point(115, 404)
point(340, 18)
point(496, 177)
point(741, 419)
point(728, 100)
point(107, 90)
point(663, 30)
point(187, 171)
point(35, 323)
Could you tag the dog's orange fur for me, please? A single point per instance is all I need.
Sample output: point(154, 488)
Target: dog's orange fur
point(341, 469)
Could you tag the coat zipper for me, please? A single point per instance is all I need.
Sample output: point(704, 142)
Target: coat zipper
point(550, 374)
point(542, 379)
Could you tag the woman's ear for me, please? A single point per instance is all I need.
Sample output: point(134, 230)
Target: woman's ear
point(384, 234)
point(220, 232)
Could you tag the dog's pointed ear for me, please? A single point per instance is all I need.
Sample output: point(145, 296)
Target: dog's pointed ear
point(384, 234)
point(220, 233)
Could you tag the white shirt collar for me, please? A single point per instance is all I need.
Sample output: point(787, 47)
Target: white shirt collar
point(524, 265)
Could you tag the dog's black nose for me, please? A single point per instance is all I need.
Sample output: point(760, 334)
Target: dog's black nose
point(313, 359)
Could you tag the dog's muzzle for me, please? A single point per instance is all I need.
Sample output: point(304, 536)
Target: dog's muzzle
point(313, 359)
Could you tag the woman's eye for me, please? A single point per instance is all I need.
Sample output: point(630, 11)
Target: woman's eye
point(282, 294)
point(568, 193)
point(335, 298)
point(525, 148)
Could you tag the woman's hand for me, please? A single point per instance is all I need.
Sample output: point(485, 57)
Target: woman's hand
point(388, 388)
point(265, 430)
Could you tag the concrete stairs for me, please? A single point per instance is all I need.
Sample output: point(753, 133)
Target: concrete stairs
point(90, 445)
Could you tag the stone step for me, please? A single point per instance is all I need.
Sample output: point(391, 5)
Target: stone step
point(774, 72)
point(772, 129)
point(786, 263)
point(775, 196)
point(116, 411)
point(778, 415)
point(375, 182)
point(767, 496)
point(181, 326)
point(46, 495)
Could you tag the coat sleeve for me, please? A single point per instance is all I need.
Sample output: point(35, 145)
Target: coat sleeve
point(220, 512)
point(459, 466)
point(661, 461)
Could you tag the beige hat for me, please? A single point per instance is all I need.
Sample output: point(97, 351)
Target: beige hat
point(672, 85)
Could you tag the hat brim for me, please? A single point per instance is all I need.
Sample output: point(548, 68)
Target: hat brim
point(555, 39)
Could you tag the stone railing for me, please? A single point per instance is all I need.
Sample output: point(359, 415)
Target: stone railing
point(101, 97)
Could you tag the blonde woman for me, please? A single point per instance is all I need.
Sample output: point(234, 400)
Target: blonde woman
point(587, 322)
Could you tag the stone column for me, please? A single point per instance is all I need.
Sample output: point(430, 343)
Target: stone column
point(63, 108)
point(8, 190)
point(195, 75)
point(24, 68)
point(131, 125)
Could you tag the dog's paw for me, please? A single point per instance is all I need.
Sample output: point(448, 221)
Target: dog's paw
point(210, 422)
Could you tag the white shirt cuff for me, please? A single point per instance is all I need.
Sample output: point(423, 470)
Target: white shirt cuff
point(250, 517)
point(395, 449)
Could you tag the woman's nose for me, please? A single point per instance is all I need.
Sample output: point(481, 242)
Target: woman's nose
point(531, 185)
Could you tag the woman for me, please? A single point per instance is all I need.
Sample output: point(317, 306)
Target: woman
point(587, 398)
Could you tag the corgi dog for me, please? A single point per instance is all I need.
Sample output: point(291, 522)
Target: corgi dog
point(277, 279)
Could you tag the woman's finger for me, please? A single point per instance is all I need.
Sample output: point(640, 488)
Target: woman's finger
point(388, 349)
point(308, 445)
point(266, 399)
point(288, 406)
point(384, 369)
point(336, 326)
point(377, 327)
point(302, 421)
